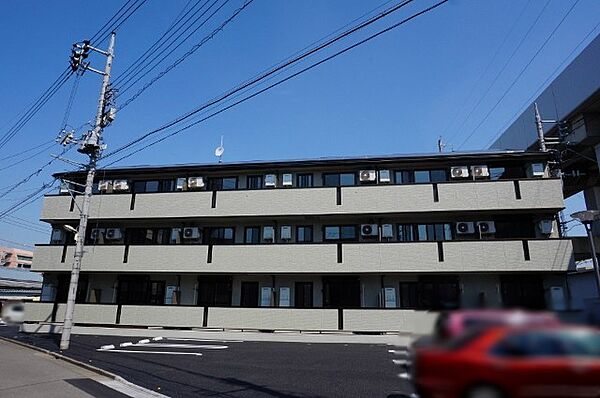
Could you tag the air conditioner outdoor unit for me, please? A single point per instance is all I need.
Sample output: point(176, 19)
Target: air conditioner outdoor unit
point(286, 232)
point(114, 234)
point(545, 226)
point(104, 185)
point(287, 180)
point(369, 230)
point(180, 184)
point(64, 187)
point(367, 176)
point(270, 180)
point(486, 227)
point(96, 233)
point(480, 171)
point(536, 170)
point(465, 227)
point(385, 176)
point(58, 235)
point(387, 231)
point(195, 182)
point(191, 233)
point(459, 172)
point(121, 185)
point(269, 234)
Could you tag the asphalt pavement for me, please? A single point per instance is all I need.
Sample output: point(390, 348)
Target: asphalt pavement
point(236, 368)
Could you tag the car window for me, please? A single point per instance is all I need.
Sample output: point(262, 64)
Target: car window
point(532, 344)
point(581, 342)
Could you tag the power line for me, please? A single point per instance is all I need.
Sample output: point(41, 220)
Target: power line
point(340, 52)
point(23, 160)
point(138, 75)
point(14, 155)
point(516, 79)
point(539, 89)
point(12, 242)
point(459, 129)
point(29, 198)
point(184, 56)
point(264, 75)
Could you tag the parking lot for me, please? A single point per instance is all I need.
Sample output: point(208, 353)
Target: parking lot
point(181, 367)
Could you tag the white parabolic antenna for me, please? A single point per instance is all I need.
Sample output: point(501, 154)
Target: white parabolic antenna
point(220, 150)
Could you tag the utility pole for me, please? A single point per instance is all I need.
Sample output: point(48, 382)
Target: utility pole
point(91, 146)
point(540, 128)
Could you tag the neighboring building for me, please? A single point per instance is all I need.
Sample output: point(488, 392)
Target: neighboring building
point(326, 241)
point(15, 258)
point(19, 284)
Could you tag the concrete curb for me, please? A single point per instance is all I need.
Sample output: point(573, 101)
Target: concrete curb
point(87, 367)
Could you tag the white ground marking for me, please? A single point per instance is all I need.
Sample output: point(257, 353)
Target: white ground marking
point(144, 341)
point(203, 340)
point(158, 338)
point(398, 352)
point(126, 344)
point(401, 362)
point(404, 375)
point(153, 352)
point(107, 347)
point(166, 345)
point(130, 389)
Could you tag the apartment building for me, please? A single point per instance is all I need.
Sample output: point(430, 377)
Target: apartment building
point(368, 243)
point(11, 257)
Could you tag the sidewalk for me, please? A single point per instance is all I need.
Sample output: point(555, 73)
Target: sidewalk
point(28, 373)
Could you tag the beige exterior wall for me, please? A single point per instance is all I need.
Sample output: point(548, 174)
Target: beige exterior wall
point(459, 256)
point(408, 321)
point(466, 196)
point(139, 315)
point(276, 318)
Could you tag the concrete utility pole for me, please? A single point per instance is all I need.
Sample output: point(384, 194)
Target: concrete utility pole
point(92, 147)
point(540, 128)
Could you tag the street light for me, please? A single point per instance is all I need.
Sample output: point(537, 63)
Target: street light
point(587, 218)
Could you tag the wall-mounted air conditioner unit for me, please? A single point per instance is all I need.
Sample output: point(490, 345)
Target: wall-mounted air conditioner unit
point(369, 230)
point(64, 187)
point(385, 176)
point(387, 231)
point(545, 226)
point(114, 234)
point(286, 232)
point(104, 185)
point(367, 176)
point(195, 182)
point(459, 172)
point(481, 171)
point(96, 233)
point(191, 233)
point(121, 185)
point(180, 184)
point(287, 180)
point(271, 180)
point(465, 227)
point(268, 234)
point(486, 227)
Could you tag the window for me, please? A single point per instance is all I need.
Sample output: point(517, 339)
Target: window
point(221, 235)
point(304, 234)
point(222, 183)
point(149, 236)
point(133, 290)
point(214, 291)
point(409, 295)
point(303, 295)
point(157, 292)
point(254, 182)
point(434, 232)
point(154, 186)
point(339, 179)
point(439, 293)
point(252, 235)
point(421, 176)
point(406, 233)
point(344, 232)
point(305, 180)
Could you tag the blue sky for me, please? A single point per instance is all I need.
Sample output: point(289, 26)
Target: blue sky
point(395, 94)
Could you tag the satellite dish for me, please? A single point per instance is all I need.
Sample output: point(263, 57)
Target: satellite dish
point(220, 150)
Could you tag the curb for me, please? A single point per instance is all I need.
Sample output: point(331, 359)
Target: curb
point(86, 366)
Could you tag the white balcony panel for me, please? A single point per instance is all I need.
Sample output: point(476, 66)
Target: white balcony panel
point(391, 257)
point(47, 258)
point(174, 316)
point(276, 202)
point(552, 255)
point(386, 199)
point(392, 320)
point(173, 204)
point(180, 258)
point(275, 258)
point(273, 318)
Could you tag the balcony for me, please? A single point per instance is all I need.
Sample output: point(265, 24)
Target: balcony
point(454, 196)
point(414, 257)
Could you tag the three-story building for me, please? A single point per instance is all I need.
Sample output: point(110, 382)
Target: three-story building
point(351, 243)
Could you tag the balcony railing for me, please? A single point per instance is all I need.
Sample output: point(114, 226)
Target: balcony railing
point(451, 196)
point(413, 257)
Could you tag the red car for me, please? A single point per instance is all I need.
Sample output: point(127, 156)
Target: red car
point(535, 361)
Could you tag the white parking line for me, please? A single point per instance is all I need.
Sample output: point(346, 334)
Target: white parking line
point(166, 345)
point(152, 352)
point(398, 352)
point(203, 340)
point(404, 375)
point(401, 362)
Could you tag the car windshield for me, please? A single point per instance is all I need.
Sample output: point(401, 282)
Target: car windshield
point(581, 342)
